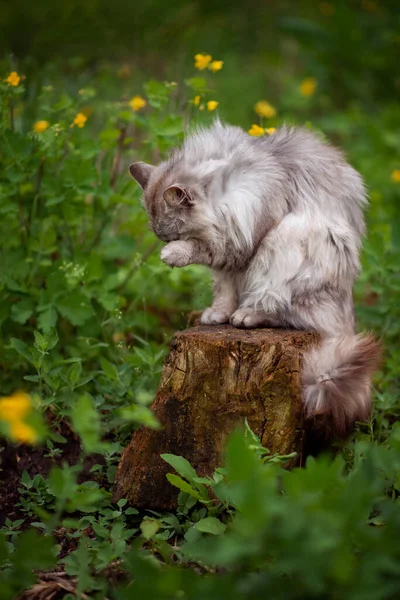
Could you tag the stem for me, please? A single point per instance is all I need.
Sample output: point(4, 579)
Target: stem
point(11, 103)
point(117, 157)
point(136, 266)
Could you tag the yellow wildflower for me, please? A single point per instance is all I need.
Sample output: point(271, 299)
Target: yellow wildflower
point(201, 61)
point(137, 103)
point(256, 130)
point(212, 105)
point(216, 65)
point(16, 407)
point(270, 130)
point(80, 120)
point(21, 432)
point(308, 86)
point(264, 109)
point(13, 79)
point(327, 9)
point(395, 176)
point(196, 100)
point(41, 126)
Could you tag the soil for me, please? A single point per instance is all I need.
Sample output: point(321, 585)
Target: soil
point(15, 459)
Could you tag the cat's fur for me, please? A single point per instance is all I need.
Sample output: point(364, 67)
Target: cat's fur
point(279, 220)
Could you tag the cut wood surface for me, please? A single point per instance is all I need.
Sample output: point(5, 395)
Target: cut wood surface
point(214, 378)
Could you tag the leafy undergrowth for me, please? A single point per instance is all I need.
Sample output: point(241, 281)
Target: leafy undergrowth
point(86, 310)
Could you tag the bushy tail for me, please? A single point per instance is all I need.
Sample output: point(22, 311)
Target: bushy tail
point(337, 381)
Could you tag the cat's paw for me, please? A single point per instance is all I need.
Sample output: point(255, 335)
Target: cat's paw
point(214, 317)
point(246, 318)
point(177, 254)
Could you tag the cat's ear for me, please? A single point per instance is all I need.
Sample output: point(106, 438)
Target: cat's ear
point(141, 172)
point(175, 195)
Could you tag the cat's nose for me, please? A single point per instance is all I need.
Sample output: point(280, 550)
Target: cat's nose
point(165, 237)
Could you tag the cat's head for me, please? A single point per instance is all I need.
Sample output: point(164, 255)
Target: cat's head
point(174, 199)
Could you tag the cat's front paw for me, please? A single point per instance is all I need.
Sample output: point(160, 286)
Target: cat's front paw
point(214, 317)
point(246, 318)
point(177, 254)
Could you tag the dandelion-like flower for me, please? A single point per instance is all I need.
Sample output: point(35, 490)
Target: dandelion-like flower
point(13, 410)
point(137, 103)
point(22, 432)
point(15, 407)
point(216, 65)
point(308, 86)
point(395, 176)
point(80, 120)
point(270, 130)
point(13, 79)
point(264, 109)
point(196, 100)
point(212, 105)
point(201, 61)
point(256, 130)
point(41, 126)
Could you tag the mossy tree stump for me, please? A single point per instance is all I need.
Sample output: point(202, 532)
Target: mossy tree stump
point(214, 378)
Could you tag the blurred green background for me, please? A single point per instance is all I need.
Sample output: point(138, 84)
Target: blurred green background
point(352, 47)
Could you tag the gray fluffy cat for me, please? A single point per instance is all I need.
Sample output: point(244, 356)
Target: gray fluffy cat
point(279, 220)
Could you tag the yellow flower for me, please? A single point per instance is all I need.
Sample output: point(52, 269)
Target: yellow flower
point(21, 432)
point(196, 100)
point(201, 61)
point(137, 103)
point(395, 176)
point(270, 130)
point(212, 105)
point(13, 79)
point(16, 407)
point(41, 126)
point(308, 86)
point(80, 120)
point(216, 65)
point(264, 109)
point(256, 130)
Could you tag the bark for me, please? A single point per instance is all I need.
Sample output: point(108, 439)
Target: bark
point(213, 378)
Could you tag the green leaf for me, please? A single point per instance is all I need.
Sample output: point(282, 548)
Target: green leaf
point(75, 307)
point(22, 349)
point(74, 373)
point(140, 414)
point(170, 126)
point(32, 552)
point(47, 318)
point(181, 465)
point(149, 528)
point(62, 482)
point(210, 525)
point(183, 485)
point(198, 84)
point(78, 565)
point(109, 369)
point(21, 311)
point(86, 422)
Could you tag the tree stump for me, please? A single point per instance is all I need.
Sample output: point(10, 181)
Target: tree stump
point(213, 378)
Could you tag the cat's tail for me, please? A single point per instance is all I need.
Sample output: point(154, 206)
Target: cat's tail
point(337, 381)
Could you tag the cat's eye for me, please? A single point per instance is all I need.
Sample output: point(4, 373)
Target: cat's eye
point(175, 195)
